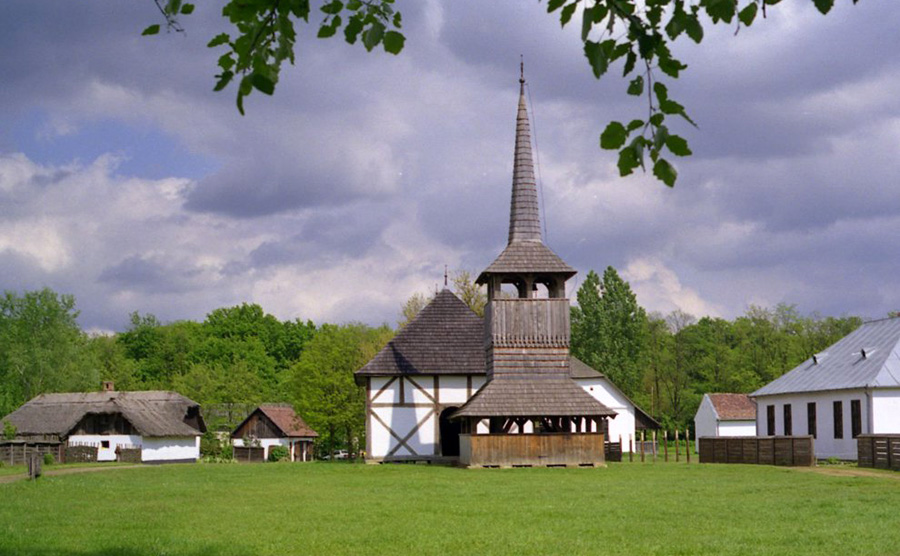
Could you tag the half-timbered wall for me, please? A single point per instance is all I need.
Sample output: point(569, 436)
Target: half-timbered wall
point(403, 413)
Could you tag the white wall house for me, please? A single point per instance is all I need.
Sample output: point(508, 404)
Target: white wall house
point(166, 426)
point(724, 415)
point(434, 365)
point(851, 388)
point(276, 425)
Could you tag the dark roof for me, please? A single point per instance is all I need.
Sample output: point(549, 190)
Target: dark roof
point(151, 413)
point(529, 257)
point(524, 213)
point(578, 369)
point(285, 419)
point(733, 407)
point(446, 337)
point(843, 366)
point(532, 396)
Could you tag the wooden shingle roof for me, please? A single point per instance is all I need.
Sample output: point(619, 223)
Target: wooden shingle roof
point(445, 338)
point(152, 413)
point(527, 257)
point(533, 396)
point(285, 419)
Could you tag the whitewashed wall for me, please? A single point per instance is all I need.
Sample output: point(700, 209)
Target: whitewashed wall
point(171, 448)
point(739, 428)
point(826, 445)
point(114, 440)
point(609, 395)
point(706, 421)
point(886, 411)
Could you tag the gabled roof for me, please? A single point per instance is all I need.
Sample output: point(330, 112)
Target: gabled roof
point(843, 366)
point(733, 407)
point(527, 257)
point(283, 417)
point(532, 396)
point(578, 369)
point(446, 337)
point(151, 413)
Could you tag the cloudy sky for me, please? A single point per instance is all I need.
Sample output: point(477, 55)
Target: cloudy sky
point(126, 181)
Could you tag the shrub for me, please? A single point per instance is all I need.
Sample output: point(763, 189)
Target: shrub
point(9, 431)
point(49, 459)
point(278, 453)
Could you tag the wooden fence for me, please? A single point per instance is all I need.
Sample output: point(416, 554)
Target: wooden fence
point(795, 451)
point(531, 450)
point(249, 454)
point(881, 451)
point(18, 452)
point(612, 451)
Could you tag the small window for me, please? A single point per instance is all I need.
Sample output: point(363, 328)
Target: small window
point(811, 419)
point(838, 419)
point(855, 418)
point(788, 422)
point(770, 420)
point(104, 443)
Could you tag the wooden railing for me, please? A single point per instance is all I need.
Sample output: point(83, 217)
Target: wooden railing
point(795, 451)
point(881, 451)
point(527, 323)
point(527, 450)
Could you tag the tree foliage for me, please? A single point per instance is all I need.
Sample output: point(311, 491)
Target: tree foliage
point(639, 34)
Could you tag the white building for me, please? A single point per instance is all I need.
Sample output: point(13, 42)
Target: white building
point(276, 425)
point(165, 426)
point(724, 415)
point(851, 388)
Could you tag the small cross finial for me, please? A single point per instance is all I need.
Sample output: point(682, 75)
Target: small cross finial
point(521, 69)
point(445, 276)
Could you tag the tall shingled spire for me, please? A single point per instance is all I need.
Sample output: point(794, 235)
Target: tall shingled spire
point(524, 213)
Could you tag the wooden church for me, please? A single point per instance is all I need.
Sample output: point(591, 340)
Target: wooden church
point(499, 391)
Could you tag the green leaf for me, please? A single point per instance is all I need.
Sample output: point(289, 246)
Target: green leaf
point(398, 20)
point(634, 124)
point(393, 42)
point(662, 93)
point(326, 31)
point(636, 87)
point(630, 60)
point(665, 172)
point(598, 54)
point(173, 6)
point(352, 30)
point(720, 10)
point(187, 9)
point(152, 30)
point(613, 136)
point(748, 14)
point(824, 6)
point(670, 107)
point(587, 22)
point(676, 25)
point(221, 38)
point(693, 28)
point(554, 5)
point(263, 84)
point(224, 79)
point(678, 145)
point(657, 119)
point(354, 5)
point(628, 160)
point(333, 7)
point(373, 35)
point(567, 12)
point(671, 66)
point(226, 62)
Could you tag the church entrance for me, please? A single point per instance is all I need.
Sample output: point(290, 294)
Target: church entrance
point(449, 433)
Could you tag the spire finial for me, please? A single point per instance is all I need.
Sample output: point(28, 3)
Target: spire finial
point(521, 69)
point(445, 276)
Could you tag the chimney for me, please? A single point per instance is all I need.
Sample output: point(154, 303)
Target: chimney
point(109, 386)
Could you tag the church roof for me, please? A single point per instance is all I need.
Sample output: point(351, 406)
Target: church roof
point(527, 257)
point(533, 396)
point(446, 337)
point(868, 357)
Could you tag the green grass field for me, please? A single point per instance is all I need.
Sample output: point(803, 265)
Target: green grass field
point(357, 509)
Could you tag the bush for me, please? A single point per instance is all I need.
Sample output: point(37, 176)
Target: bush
point(278, 453)
point(49, 459)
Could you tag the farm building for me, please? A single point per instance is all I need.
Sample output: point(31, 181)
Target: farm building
point(159, 426)
point(451, 383)
point(276, 425)
point(724, 415)
point(851, 388)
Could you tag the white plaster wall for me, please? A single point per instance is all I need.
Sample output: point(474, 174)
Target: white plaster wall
point(171, 448)
point(606, 393)
point(402, 420)
point(886, 411)
point(106, 454)
point(705, 422)
point(390, 395)
point(477, 382)
point(453, 390)
point(744, 428)
point(826, 445)
point(412, 394)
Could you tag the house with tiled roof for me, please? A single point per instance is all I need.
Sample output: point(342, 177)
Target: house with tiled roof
point(725, 415)
point(848, 389)
point(500, 390)
point(276, 425)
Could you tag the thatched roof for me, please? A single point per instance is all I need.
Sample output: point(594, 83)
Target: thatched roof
point(285, 420)
point(532, 396)
point(152, 413)
point(445, 338)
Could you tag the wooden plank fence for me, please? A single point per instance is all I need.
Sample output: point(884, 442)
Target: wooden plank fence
point(880, 451)
point(249, 454)
point(792, 451)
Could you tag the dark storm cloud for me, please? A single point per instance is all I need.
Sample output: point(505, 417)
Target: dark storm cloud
point(144, 274)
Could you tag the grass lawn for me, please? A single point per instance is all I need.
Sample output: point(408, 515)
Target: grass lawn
point(326, 508)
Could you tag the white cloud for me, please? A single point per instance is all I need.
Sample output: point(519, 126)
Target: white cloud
point(658, 288)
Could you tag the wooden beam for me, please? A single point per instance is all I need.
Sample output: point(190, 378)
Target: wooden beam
point(394, 434)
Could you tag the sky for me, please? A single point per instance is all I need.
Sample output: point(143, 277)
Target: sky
point(128, 183)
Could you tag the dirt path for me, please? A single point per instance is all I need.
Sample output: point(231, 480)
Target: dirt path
point(66, 471)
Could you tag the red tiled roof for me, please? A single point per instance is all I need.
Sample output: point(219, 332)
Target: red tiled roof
point(284, 418)
point(733, 407)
